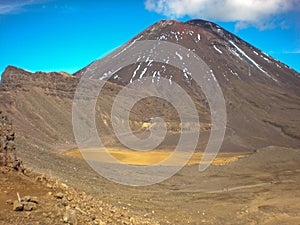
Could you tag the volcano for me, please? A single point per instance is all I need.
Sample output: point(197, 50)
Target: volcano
point(261, 93)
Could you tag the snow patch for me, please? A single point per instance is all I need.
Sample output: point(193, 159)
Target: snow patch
point(225, 77)
point(186, 73)
point(105, 75)
point(235, 53)
point(134, 73)
point(158, 75)
point(150, 63)
point(132, 43)
point(175, 35)
point(170, 79)
point(265, 54)
point(179, 56)
point(213, 75)
point(198, 38)
point(117, 77)
point(163, 37)
point(167, 60)
point(234, 73)
point(191, 33)
point(154, 74)
point(218, 50)
point(266, 59)
point(252, 61)
point(143, 72)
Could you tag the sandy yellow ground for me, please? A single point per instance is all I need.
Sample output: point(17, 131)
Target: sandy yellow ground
point(151, 157)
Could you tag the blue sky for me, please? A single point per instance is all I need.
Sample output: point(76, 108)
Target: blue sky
point(66, 35)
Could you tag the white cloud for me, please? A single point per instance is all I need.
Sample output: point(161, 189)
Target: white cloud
point(245, 12)
point(16, 6)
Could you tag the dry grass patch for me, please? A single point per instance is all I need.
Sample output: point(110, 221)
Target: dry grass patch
point(151, 157)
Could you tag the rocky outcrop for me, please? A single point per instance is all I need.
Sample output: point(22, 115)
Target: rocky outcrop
point(7, 145)
point(53, 202)
point(8, 156)
point(59, 84)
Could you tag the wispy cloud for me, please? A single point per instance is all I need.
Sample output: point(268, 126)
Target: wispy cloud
point(16, 6)
point(296, 51)
point(259, 13)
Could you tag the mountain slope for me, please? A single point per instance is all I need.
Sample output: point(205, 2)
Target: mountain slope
point(262, 94)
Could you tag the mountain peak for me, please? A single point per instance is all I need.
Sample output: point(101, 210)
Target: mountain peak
point(228, 56)
point(11, 73)
point(201, 23)
point(11, 68)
